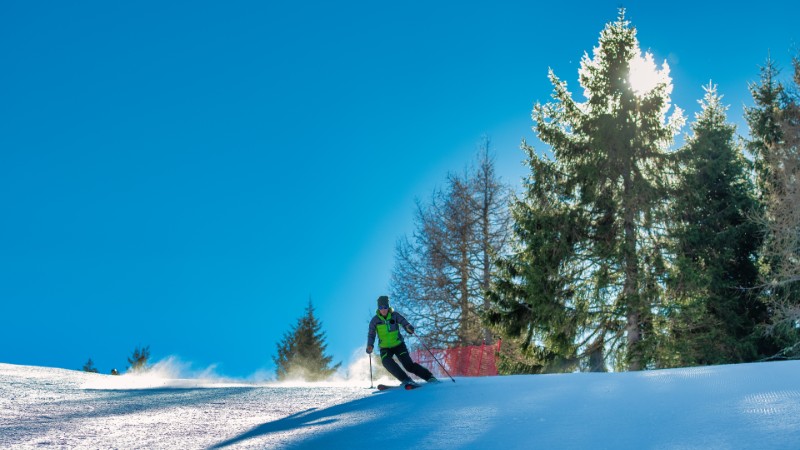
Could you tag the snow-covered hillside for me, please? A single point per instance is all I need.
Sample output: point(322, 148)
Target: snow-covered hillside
point(747, 406)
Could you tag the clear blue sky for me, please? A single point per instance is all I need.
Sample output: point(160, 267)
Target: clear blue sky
point(185, 175)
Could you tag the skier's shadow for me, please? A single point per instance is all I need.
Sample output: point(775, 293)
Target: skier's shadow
point(308, 418)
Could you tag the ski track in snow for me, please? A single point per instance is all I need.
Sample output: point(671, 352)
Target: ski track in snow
point(746, 406)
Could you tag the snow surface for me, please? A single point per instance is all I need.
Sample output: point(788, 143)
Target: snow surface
point(746, 406)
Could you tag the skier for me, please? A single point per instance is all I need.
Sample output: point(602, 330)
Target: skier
point(386, 324)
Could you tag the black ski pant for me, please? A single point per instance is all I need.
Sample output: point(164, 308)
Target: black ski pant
point(401, 351)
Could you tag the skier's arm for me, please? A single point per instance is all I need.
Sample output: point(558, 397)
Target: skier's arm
point(405, 323)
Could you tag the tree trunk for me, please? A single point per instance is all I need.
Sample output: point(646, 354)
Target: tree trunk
point(630, 290)
point(596, 352)
point(467, 319)
point(487, 249)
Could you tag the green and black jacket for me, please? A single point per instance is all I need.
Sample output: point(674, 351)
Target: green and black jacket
point(387, 329)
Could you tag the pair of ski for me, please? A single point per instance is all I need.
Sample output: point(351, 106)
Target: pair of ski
point(408, 387)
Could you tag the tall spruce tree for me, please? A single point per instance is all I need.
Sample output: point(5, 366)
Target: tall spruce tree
point(598, 294)
point(301, 352)
point(766, 136)
point(764, 119)
point(716, 311)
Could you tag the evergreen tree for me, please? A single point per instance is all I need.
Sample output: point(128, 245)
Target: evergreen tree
point(138, 359)
point(301, 351)
point(532, 296)
point(764, 121)
point(775, 135)
point(605, 277)
point(716, 311)
point(441, 274)
point(89, 367)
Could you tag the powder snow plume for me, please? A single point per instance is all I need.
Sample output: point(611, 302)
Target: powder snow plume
point(355, 374)
point(169, 373)
point(172, 373)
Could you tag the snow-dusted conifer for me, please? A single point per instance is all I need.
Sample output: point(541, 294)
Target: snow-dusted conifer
point(715, 246)
point(584, 286)
point(301, 352)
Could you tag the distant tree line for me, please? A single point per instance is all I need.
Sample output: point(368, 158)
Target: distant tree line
point(621, 252)
point(138, 362)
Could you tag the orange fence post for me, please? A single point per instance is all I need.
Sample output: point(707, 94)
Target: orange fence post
point(480, 361)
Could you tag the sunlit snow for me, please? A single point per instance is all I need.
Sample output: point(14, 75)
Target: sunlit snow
point(747, 406)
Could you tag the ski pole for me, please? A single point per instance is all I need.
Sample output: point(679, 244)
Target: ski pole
point(434, 357)
point(370, 371)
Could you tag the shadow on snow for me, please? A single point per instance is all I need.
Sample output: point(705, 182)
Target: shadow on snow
point(357, 422)
point(308, 418)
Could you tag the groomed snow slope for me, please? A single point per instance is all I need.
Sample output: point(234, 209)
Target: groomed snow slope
point(746, 406)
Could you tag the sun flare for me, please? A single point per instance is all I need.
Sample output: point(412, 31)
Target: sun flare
point(644, 76)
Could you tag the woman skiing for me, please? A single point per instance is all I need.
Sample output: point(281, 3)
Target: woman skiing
point(386, 325)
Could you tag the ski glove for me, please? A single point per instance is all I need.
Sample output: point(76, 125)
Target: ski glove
point(410, 329)
point(369, 349)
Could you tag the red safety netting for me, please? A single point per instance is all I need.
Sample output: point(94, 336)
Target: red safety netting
point(467, 361)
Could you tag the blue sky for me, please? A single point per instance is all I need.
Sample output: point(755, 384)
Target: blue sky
point(185, 175)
